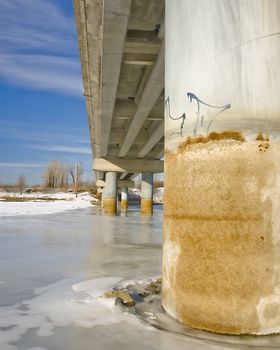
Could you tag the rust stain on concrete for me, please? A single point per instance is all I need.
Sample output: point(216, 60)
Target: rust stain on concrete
point(264, 142)
point(146, 206)
point(124, 204)
point(262, 137)
point(109, 205)
point(221, 257)
point(213, 136)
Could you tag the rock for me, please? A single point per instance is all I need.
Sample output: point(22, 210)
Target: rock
point(126, 299)
point(152, 288)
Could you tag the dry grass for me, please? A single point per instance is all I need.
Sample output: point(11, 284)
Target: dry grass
point(29, 199)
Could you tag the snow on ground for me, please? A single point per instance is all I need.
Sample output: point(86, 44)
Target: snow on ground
point(158, 195)
point(64, 201)
point(135, 193)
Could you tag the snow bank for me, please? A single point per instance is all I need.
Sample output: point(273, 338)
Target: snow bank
point(64, 201)
point(134, 194)
point(158, 195)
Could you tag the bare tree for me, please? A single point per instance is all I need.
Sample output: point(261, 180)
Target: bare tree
point(71, 170)
point(76, 172)
point(21, 183)
point(52, 174)
point(63, 175)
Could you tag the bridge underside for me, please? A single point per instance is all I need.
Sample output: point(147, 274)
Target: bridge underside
point(121, 46)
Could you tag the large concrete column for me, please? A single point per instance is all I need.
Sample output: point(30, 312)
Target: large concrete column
point(124, 198)
point(221, 251)
point(147, 193)
point(109, 195)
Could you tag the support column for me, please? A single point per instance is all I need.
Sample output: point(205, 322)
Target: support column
point(109, 195)
point(221, 247)
point(102, 196)
point(147, 193)
point(124, 199)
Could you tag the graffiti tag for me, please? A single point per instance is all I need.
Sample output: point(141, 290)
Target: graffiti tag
point(199, 117)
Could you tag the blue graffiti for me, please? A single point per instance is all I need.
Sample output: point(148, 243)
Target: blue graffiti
point(199, 118)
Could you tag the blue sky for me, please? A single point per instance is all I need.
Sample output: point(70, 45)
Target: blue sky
point(42, 109)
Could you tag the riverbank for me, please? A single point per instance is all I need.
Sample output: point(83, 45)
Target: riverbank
point(38, 203)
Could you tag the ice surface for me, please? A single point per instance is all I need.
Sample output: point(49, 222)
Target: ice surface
point(54, 269)
point(60, 305)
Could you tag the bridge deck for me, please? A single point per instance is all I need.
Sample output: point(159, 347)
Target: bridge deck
point(121, 46)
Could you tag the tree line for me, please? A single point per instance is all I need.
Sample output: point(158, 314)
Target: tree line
point(55, 175)
point(59, 175)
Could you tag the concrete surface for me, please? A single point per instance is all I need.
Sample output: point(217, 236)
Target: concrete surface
point(222, 177)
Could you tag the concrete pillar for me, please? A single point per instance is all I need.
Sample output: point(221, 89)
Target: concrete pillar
point(124, 198)
point(147, 193)
point(221, 250)
point(109, 195)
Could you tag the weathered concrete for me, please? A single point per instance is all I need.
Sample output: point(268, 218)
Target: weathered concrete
point(221, 262)
point(122, 58)
point(109, 195)
point(156, 135)
point(116, 14)
point(128, 165)
point(153, 89)
point(126, 183)
point(124, 198)
point(120, 183)
point(90, 57)
point(147, 193)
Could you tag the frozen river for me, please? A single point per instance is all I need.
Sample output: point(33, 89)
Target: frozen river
point(45, 302)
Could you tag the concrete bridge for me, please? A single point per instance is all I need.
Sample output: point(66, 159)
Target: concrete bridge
point(121, 46)
point(221, 261)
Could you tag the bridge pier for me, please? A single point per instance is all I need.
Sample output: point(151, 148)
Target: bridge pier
point(124, 198)
point(221, 261)
point(147, 193)
point(109, 195)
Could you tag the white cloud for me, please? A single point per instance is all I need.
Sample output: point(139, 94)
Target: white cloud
point(22, 131)
point(21, 165)
point(39, 46)
point(42, 72)
point(35, 24)
point(63, 149)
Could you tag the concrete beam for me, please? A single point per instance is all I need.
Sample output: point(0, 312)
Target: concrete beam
point(124, 108)
point(143, 82)
point(118, 134)
point(155, 137)
point(139, 59)
point(134, 176)
point(121, 183)
point(138, 45)
point(149, 118)
point(160, 154)
point(126, 183)
point(116, 13)
point(128, 165)
point(122, 176)
point(99, 175)
point(90, 47)
point(148, 98)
